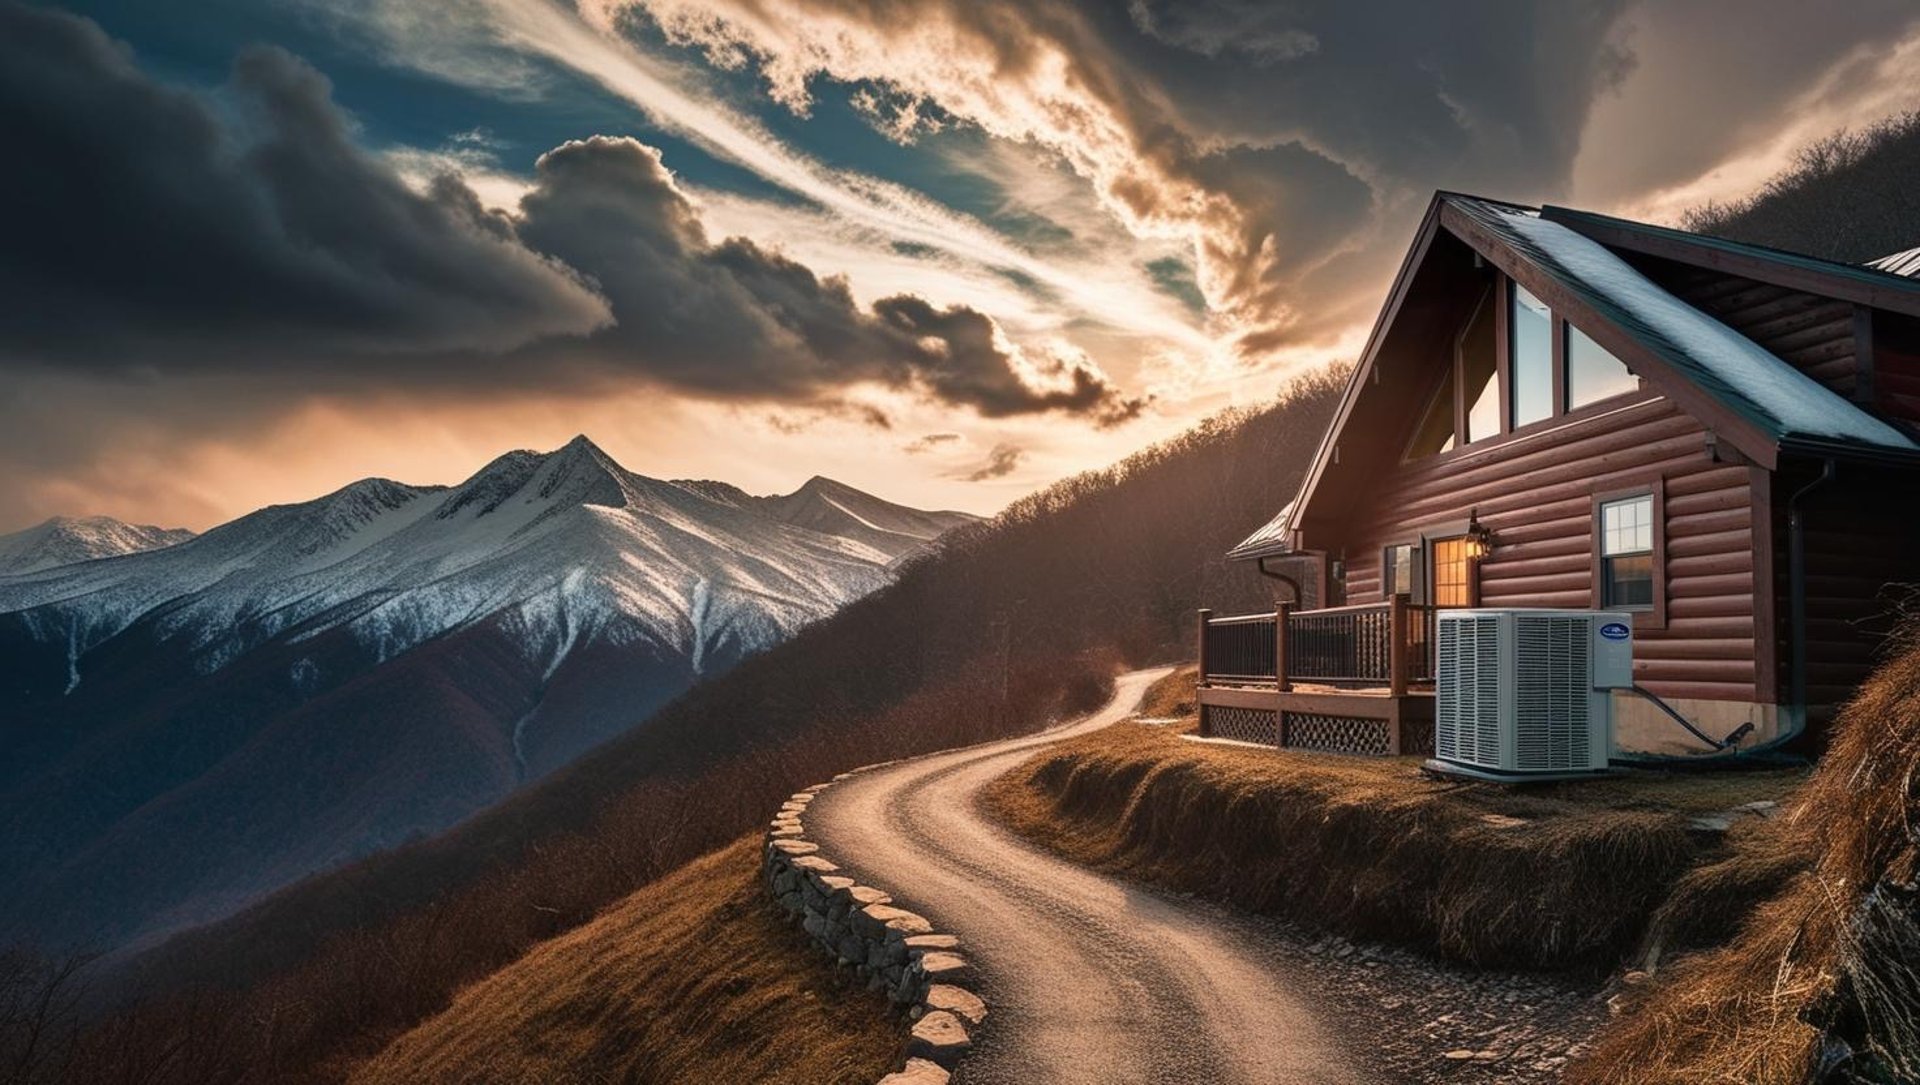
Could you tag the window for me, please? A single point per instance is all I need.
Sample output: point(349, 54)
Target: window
point(1396, 570)
point(1592, 373)
point(1626, 553)
point(1530, 332)
point(1452, 573)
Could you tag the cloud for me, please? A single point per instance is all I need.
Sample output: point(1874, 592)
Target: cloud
point(1002, 460)
point(1273, 141)
point(470, 40)
point(731, 319)
point(148, 225)
point(176, 236)
point(928, 443)
point(1262, 32)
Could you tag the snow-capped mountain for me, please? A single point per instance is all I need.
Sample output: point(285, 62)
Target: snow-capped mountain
point(565, 548)
point(65, 540)
point(389, 657)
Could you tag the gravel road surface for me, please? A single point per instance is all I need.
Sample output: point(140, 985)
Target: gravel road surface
point(1088, 978)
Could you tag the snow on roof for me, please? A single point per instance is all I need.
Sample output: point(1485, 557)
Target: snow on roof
point(1905, 263)
point(1757, 384)
point(1269, 540)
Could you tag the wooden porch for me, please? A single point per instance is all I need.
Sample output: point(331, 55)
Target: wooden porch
point(1354, 679)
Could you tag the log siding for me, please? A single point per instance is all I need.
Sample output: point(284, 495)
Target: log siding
point(1536, 492)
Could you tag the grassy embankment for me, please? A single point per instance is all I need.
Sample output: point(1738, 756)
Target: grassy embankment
point(1554, 876)
point(1823, 973)
point(693, 978)
point(1752, 956)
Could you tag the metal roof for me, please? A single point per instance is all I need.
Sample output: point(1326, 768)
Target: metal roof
point(1905, 263)
point(1272, 539)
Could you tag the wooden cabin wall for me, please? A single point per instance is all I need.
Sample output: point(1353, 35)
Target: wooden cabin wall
point(1863, 563)
point(1813, 334)
point(1896, 367)
point(1536, 494)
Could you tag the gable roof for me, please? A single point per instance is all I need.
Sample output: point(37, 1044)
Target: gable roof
point(1755, 400)
point(1751, 382)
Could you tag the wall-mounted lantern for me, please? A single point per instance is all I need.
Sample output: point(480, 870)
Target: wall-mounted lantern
point(1479, 537)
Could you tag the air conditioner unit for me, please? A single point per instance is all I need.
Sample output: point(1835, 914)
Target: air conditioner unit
point(1523, 694)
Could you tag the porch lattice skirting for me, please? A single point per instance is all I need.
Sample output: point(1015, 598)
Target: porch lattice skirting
point(1316, 731)
point(1242, 724)
point(1335, 734)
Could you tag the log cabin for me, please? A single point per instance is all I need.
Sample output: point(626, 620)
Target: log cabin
point(1561, 409)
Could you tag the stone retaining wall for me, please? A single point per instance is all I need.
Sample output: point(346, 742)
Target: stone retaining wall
point(895, 951)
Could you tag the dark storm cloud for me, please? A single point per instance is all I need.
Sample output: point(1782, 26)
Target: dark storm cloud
point(156, 229)
point(147, 225)
point(1261, 31)
point(1001, 461)
point(732, 319)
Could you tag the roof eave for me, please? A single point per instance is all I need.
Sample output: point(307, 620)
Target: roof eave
point(1254, 553)
point(1795, 444)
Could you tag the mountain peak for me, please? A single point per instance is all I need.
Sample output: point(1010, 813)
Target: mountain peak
point(580, 472)
point(63, 540)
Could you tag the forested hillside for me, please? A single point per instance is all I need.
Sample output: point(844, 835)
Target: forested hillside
point(1014, 622)
point(1851, 196)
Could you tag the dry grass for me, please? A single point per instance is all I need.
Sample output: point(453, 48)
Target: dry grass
point(1555, 876)
point(1832, 961)
point(690, 979)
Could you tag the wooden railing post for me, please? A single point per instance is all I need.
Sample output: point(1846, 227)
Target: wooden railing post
point(1282, 612)
point(1398, 645)
point(1200, 641)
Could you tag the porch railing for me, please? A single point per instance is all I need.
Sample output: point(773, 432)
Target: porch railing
point(1376, 644)
point(1239, 649)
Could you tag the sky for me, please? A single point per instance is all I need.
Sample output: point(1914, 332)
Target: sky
point(947, 251)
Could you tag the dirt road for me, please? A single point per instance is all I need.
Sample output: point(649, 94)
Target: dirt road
point(1088, 978)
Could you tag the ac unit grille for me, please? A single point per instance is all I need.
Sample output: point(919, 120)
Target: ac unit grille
point(1467, 709)
point(1551, 695)
point(1514, 689)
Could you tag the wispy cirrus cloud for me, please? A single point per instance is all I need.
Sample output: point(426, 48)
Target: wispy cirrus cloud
point(590, 42)
point(928, 443)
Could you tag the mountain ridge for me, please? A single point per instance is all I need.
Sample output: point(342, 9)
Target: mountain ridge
point(68, 540)
point(157, 701)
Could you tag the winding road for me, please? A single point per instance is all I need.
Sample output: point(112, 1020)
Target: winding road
point(1088, 978)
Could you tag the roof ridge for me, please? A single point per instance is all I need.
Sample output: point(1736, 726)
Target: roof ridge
point(1569, 216)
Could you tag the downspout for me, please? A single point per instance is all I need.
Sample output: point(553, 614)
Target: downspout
point(1261, 564)
point(1797, 605)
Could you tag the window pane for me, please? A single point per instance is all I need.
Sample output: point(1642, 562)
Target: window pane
point(1629, 581)
point(1592, 373)
point(1626, 526)
point(1478, 361)
point(1452, 586)
point(1532, 373)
